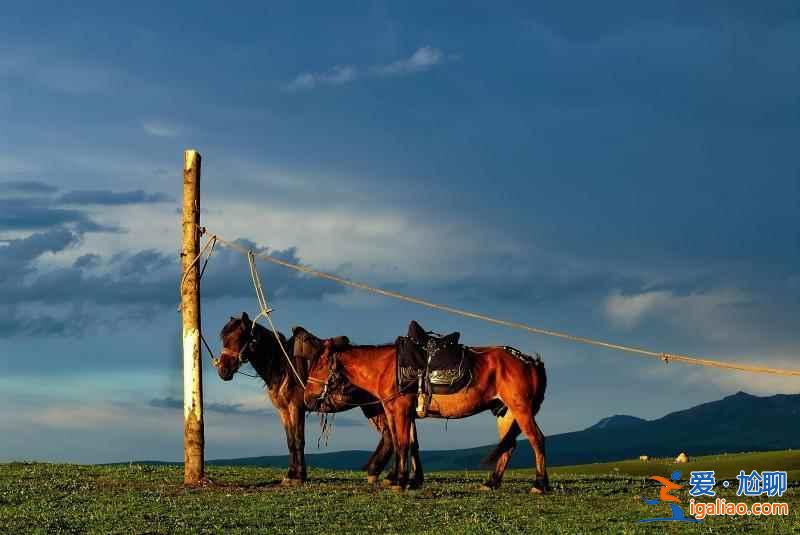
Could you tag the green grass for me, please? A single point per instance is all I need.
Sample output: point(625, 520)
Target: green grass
point(726, 465)
point(50, 498)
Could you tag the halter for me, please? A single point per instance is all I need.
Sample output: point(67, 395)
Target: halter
point(329, 383)
point(240, 357)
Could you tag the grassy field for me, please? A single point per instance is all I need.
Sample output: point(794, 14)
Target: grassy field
point(48, 498)
point(725, 465)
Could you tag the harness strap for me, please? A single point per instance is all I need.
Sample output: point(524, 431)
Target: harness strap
point(326, 390)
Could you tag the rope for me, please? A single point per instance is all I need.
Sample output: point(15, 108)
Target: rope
point(211, 241)
point(666, 357)
point(378, 401)
point(326, 424)
point(266, 312)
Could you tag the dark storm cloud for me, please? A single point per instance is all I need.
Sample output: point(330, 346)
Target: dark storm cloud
point(87, 261)
point(41, 211)
point(137, 282)
point(14, 322)
point(16, 258)
point(529, 282)
point(239, 409)
point(27, 186)
point(36, 213)
point(112, 198)
point(222, 408)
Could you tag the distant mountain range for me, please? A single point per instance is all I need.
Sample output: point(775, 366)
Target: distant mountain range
point(737, 423)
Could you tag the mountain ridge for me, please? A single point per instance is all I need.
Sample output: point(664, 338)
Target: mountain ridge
point(736, 423)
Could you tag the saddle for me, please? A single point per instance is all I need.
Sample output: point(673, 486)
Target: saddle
point(437, 364)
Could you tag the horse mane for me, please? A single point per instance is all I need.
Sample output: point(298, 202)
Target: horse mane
point(232, 324)
point(235, 323)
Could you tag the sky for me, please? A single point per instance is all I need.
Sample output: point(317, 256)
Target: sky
point(626, 171)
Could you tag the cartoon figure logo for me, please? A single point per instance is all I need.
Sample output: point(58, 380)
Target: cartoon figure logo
point(667, 486)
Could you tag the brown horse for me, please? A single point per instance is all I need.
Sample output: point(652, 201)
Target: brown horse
point(500, 377)
point(246, 341)
point(342, 396)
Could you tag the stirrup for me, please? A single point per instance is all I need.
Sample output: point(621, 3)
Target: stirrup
point(423, 402)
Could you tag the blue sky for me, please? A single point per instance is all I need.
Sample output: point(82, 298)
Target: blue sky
point(622, 171)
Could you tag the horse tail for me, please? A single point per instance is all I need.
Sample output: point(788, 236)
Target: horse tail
point(541, 384)
point(508, 442)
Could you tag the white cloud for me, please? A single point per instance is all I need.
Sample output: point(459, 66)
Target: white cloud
point(338, 75)
point(159, 128)
point(730, 381)
point(693, 310)
point(76, 417)
point(424, 59)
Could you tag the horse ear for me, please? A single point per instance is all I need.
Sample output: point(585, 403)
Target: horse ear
point(245, 317)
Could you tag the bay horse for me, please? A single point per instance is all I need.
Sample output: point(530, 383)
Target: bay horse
point(500, 377)
point(246, 341)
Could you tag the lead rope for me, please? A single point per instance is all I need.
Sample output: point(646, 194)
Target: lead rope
point(666, 357)
point(266, 312)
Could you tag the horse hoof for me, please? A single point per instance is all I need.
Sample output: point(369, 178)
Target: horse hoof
point(290, 482)
point(414, 486)
point(397, 488)
point(486, 487)
point(387, 483)
point(371, 480)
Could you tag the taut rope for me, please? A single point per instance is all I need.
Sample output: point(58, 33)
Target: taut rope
point(666, 357)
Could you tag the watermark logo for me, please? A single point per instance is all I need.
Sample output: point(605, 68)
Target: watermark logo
point(701, 485)
point(665, 495)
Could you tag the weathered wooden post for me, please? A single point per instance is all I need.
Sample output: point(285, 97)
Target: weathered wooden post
point(193, 440)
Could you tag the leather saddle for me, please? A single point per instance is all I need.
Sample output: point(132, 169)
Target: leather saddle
point(438, 364)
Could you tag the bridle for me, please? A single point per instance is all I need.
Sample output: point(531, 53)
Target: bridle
point(240, 356)
point(330, 380)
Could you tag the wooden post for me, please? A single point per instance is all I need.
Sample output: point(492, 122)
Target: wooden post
point(193, 441)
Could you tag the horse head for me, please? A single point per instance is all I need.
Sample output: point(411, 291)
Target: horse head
point(240, 337)
point(321, 376)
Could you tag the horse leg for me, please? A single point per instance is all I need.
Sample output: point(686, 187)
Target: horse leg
point(398, 414)
point(541, 468)
point(509, 430)
point(300, 441)
point(525, 419)
point(416, 462)
point(293, 419)
point(380, 457)
point(283, 413)
point(391, 476)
